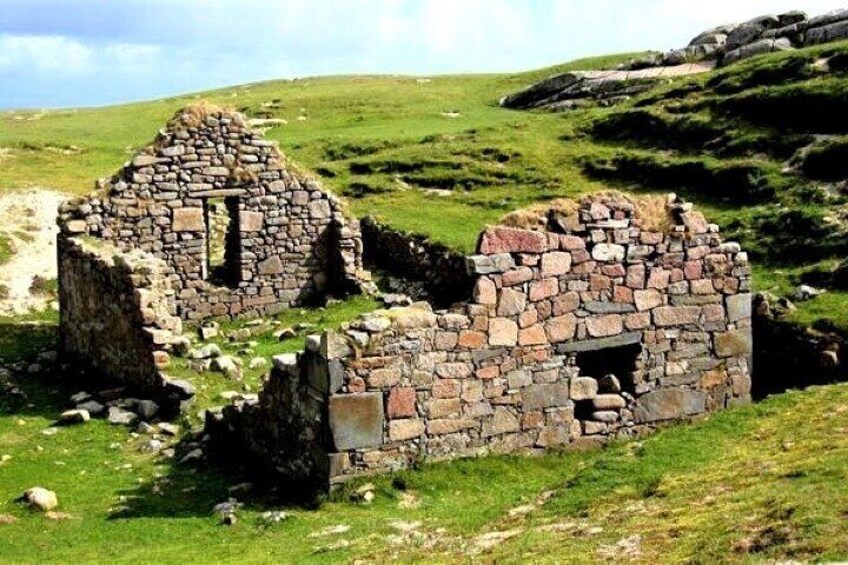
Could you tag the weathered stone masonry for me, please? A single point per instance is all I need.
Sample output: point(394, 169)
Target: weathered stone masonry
point(115, 313)
point(592, 328)
point(289, 241)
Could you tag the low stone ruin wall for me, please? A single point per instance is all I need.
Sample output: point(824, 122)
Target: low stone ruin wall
point(117, 317)
point(602, 330)
point(439, 269)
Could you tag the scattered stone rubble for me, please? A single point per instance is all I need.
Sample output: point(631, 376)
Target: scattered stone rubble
point(596, 326)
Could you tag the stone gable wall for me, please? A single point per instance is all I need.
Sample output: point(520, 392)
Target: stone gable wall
point(510, 371)
point(115, 315)
point(291, 241)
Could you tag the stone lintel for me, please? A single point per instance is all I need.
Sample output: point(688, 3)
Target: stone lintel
point(629, 338)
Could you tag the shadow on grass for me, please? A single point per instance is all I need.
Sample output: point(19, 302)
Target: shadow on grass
point(192, 489)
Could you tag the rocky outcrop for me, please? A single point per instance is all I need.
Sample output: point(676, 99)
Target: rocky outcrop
point(580, 88)
point(764, 34)
point(724, 45)
point(593, 327)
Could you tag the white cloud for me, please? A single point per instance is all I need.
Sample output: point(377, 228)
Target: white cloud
point(44, 54)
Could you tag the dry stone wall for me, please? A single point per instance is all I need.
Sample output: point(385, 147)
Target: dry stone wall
point(289, 241)
point(440, 270)
point(592, 328)
point(116, 316)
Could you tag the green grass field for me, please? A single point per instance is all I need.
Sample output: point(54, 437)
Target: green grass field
point(438, 156)
point(755, 483)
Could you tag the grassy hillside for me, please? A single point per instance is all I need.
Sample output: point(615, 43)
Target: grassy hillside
point(760, 146)
point(436, 155)
point(760, 482)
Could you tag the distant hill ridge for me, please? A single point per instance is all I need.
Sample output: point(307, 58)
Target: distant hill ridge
point(722, 45)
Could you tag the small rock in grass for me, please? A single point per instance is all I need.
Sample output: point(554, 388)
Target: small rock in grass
point(77, 416)
point(152, 446)
point(92, 406)
point(192, 456)
point(168, 429)
point(257, 363)
point(79, 397)
point(145, 428)
point(50, 431)
point(119, 416)
point(227, 511)
point(229, 395)
point(40, 498)
point(806, 292)
point(275, 516)
point(208, 351)
point(286, 333)
point(364, 494)
point(7, 519)
point(226, 365)
point(147, 409)
point(54, 515)
point(208, 332)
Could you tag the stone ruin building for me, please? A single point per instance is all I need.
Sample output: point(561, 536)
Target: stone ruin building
point(593, 325)
point(601, 319)
point(137, 258)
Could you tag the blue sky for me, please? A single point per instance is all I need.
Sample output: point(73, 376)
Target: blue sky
point(93, 52)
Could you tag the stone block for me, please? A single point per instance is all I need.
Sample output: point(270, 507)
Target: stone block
point(503, 421)
point(609, 402)
point(629, 338)
point(401, 403)
point(669, 404)
point(404, 430)
point(733, 343)
point(271, 266)
point(503, 332)
point(454, 370)
point(738, 307)
point(540, 396)
point(356, 420)
point(556, 263)
point(647, 299)
point(551, 436)
point(604, 326)
point(250, 221)
point(511, 302)
point(501, 239)
point(517, 276)
point(319, 209)
point(485, 292)
point(449, 426)
point(561, 328)
point(583, 388)
point(188, 220)
point(442, 408)
point(545, 288)
point(471, 339)
point(534, 335)
point(608, 252)
point(382, 378)
point(676, 315)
